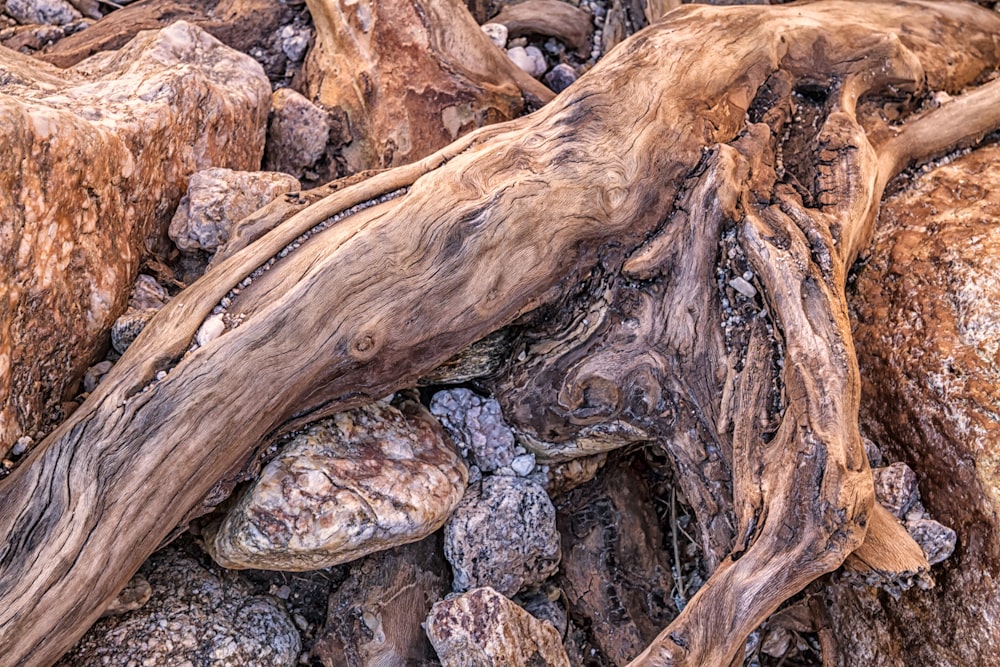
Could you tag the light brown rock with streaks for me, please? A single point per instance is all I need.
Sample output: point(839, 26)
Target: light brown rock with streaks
point(482, 628)
point(362, 481)
point(93, 160)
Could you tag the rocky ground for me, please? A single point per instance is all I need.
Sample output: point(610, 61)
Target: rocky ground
point(411, 530)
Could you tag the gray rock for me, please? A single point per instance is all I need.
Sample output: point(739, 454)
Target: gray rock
point(560, 77)
point(477, 426)
point(482, 628)
point(295, 42)
point(503, 534)
point(362, 481)
point(218, 198)
point(896, 488)
point(297, 133)
point(937, 540)
point(51, 12)
point(192, 617)
point(147, 293)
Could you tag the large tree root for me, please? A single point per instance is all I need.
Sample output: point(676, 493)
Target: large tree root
point(592, 228)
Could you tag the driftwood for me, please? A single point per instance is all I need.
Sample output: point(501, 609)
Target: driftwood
point(593, 229)
point(551, 18)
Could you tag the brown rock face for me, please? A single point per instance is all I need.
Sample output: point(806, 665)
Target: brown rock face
point(928, 340)
point(93, 161)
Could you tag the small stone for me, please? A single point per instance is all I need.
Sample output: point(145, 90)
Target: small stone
point(545, 606)
point(147, 294)
point(128, 327)
point(896, 488)
point(497, 32)
point(521, 58)
point(560, 77)
point(503, 534)
point(211, 328)
point(217, 198)
point(476, 424)
point(484, 628)
point(22, 445)
point(50, 12)
point(937, 540)
point(93, 376)
point(295, 42)
point(538, 58)
point(362, 481)
point(297, 134)
point(873, 452)
point(743, 287)
point(523, 465)
point(776, 642)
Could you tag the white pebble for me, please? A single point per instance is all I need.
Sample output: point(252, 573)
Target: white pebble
point(743, 287)
point(523, 465)
point(521, 58)
point(210, 330)
point(21, 446)
point(497, 32)
point(538, 58)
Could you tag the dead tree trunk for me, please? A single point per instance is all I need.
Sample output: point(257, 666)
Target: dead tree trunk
point(593, 227)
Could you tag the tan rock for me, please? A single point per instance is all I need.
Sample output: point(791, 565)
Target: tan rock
point(927, 331)
point(93, 161)
point(482, 628)
point(365, 480)
point(218, 198)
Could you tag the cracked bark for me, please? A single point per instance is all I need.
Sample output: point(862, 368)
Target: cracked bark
point(597, 230)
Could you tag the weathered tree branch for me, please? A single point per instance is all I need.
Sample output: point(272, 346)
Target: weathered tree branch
point(593, 227)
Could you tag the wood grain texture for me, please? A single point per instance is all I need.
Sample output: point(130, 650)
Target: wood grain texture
point(594, 227)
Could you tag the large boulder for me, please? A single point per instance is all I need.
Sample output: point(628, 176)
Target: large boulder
point(928, 340)
point(93, 161)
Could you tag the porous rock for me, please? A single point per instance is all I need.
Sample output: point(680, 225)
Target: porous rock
point(297, 134)
point(927, 333)
point(193, 617)
point(362, 481)
point(477, 426)
point(503, 535)
point(52, 12)
point(93, 161)
point(615, 572)
point(218, 198)
point(375, 616)
point(482, 628)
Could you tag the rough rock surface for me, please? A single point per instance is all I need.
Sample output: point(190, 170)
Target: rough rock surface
point(362, 481)
point(297, 135)
point(928, 340)
point(218, 198)
point(477, 426)
point(374, 617)
point(54, 12)
point(482, 628)
point(503, 535)
point(193, 617)
point(141, 121)
point(615, 571)
point(147, 297)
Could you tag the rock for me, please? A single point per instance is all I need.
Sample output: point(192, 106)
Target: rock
point(615, 572)
point(560, 77)
point(297, 134)
point(927, 332)
point(503, 535)
point(937, 540)
point(128, 327)
point(497, 32)
point(896, 488)
point(50, 12)
point(135, 594)
point(523, 465)
point(477, 426)
point(482, 628)
point(193, 617)
point(520, 56)
point(147, 294)
point(94, 374)
point(103, 152)
point(216, 199)
point(362, 481)
point(374, 617)
point(295, 41)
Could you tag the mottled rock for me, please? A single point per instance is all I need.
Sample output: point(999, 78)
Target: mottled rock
point(503, 535)
point(53, 12)
point(147, 297)
point(497, 32)
point(297, 134)
point(93, 161)
point(193, 617)
point(294, 41)
point(937, 540)
point(477, 426)
point(560, 77)
point(927, 329)
point(896, 488)
point(375, 616)
point(615, 572)
point(218, 198)
point(362, 481)
point(482, 628)
point(147, 293)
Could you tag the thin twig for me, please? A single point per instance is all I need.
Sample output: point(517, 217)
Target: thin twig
point(673, 538)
